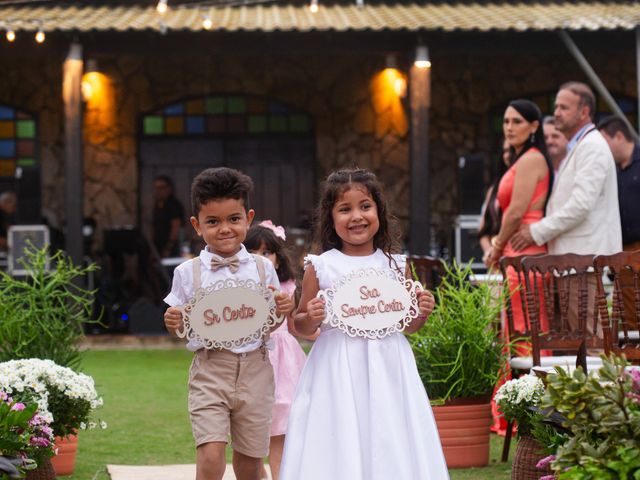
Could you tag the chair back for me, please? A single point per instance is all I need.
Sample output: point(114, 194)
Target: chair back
point(429, 270)
point(621, 323)
point(561, 283)
point(508, 265)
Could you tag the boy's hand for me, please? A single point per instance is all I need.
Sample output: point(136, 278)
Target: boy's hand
point(284, 303)
point(426, 302)
point(316, 311)
point(173, 319)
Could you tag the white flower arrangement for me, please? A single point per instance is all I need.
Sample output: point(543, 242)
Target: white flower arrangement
point(65, 398)
point(515, 397)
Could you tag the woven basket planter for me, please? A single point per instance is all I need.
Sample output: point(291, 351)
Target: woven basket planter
point(528, 453)
point(44, 471)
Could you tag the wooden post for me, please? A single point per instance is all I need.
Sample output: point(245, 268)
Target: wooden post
point(420, 209)
point(74, 168)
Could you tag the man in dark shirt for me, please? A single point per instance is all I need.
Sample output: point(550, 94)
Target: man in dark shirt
point(168, 218)
point(627, 156)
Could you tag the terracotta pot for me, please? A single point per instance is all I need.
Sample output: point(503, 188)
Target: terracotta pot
point(44, 471)
point(64, 461)
point(528, 453)
point(464, 433)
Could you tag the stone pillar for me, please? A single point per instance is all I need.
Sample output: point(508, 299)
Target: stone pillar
point(419, 208)
point(73, 171)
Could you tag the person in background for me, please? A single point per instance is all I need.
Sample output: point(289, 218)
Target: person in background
point(168, 218)
point(556, 142)
point(626, 154)
point(8, 207)
point(490, 215)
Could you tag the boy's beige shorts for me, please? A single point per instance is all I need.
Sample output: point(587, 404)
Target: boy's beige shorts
point(232, 393)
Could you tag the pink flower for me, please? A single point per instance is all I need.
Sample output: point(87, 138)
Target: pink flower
point(548, 477)
point(544, 463)
point(278, 230)
point(18, 407)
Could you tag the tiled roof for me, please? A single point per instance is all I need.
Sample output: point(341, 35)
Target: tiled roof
point(269, 17)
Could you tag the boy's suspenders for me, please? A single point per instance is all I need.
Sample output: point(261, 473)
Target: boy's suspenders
point(197, 283)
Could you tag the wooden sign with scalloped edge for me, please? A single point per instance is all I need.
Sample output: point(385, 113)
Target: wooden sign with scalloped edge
point(229, 314)
point(371, 303)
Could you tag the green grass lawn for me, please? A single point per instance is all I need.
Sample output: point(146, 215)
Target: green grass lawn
point(145, 406)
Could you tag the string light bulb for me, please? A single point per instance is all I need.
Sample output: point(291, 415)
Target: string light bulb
point(313, 6)
point(40, 35)
point(162, 7)
point(11, 35)
point(207, 23)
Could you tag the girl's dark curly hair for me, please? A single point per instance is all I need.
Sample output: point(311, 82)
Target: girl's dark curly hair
point(259, 235)
point(335, 185)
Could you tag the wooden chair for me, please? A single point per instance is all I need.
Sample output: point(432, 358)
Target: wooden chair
point(518, 365)
point(621, 328)
point(556, 282)
point(429, 270)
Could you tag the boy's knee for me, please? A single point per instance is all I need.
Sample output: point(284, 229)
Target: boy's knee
point(210, 461)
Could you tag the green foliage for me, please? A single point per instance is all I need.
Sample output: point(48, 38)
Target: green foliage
point(458, 351)
point(546, 435)
point(42, 314)
point(603, 414)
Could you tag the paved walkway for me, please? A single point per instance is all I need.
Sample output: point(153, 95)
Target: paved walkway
point(164, 472)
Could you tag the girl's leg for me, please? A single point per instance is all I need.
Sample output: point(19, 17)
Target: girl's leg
point(210, 461)
point(263, 471)
point(275, 455)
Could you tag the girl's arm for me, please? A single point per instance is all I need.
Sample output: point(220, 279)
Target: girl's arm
point(310, 311)
point(426, 303)
point(531, 168)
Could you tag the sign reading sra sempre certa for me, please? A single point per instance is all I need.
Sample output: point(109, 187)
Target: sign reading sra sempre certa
point(230, 313)
point(371, 303)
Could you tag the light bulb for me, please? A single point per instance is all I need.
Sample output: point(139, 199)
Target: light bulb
point(162, 7)
point(40, 36)
point(422, 57)
point(207, 23)
point(11, 35)
point(313, 6)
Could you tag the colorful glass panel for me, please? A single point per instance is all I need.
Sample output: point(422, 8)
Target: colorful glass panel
point(7, 129)
point(220, 114)
point(25, 129)
point(7, 168)
point(6, 113)
point(153, 125)
point(26, 148)
point(7, 148)
point(27, 162)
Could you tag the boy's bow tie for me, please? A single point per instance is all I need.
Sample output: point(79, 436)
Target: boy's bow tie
point(232, 262)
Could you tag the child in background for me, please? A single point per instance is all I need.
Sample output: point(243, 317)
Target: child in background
point(230, 391)
point(360, 411)
point(286, 355)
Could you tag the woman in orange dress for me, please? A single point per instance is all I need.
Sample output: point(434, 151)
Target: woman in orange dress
point(522, 192)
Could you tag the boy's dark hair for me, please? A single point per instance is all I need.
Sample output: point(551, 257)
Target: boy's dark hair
point(614, 124)
point(335, 185)
point(218, 184)
point(259, 235)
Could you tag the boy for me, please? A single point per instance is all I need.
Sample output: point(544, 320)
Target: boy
point(229, 390)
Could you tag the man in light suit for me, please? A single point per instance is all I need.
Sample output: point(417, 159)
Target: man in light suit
point(582, 214)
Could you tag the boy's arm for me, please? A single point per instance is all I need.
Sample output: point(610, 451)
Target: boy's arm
point(173, 320)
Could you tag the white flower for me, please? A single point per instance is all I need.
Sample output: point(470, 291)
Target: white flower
point(103, 424)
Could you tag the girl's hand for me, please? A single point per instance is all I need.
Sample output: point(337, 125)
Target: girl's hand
point(315, 311)
point(173, 320)
point(493, 257)
point(426, 302)
point(284, 304)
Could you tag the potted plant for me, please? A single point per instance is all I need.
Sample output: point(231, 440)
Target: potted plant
point(601, 410)
point(42, 314)
point(26, 439)
point(460, 355)
point(64, 397)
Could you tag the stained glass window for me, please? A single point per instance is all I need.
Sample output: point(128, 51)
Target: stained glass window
point(17, 140)
point(222, 115)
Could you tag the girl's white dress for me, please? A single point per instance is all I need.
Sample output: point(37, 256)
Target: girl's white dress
point(360, 411)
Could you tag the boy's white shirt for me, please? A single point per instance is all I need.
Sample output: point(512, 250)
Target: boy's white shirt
point(182, 289)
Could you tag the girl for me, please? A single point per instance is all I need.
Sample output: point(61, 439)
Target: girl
point(360, 410)
point(287, 357)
